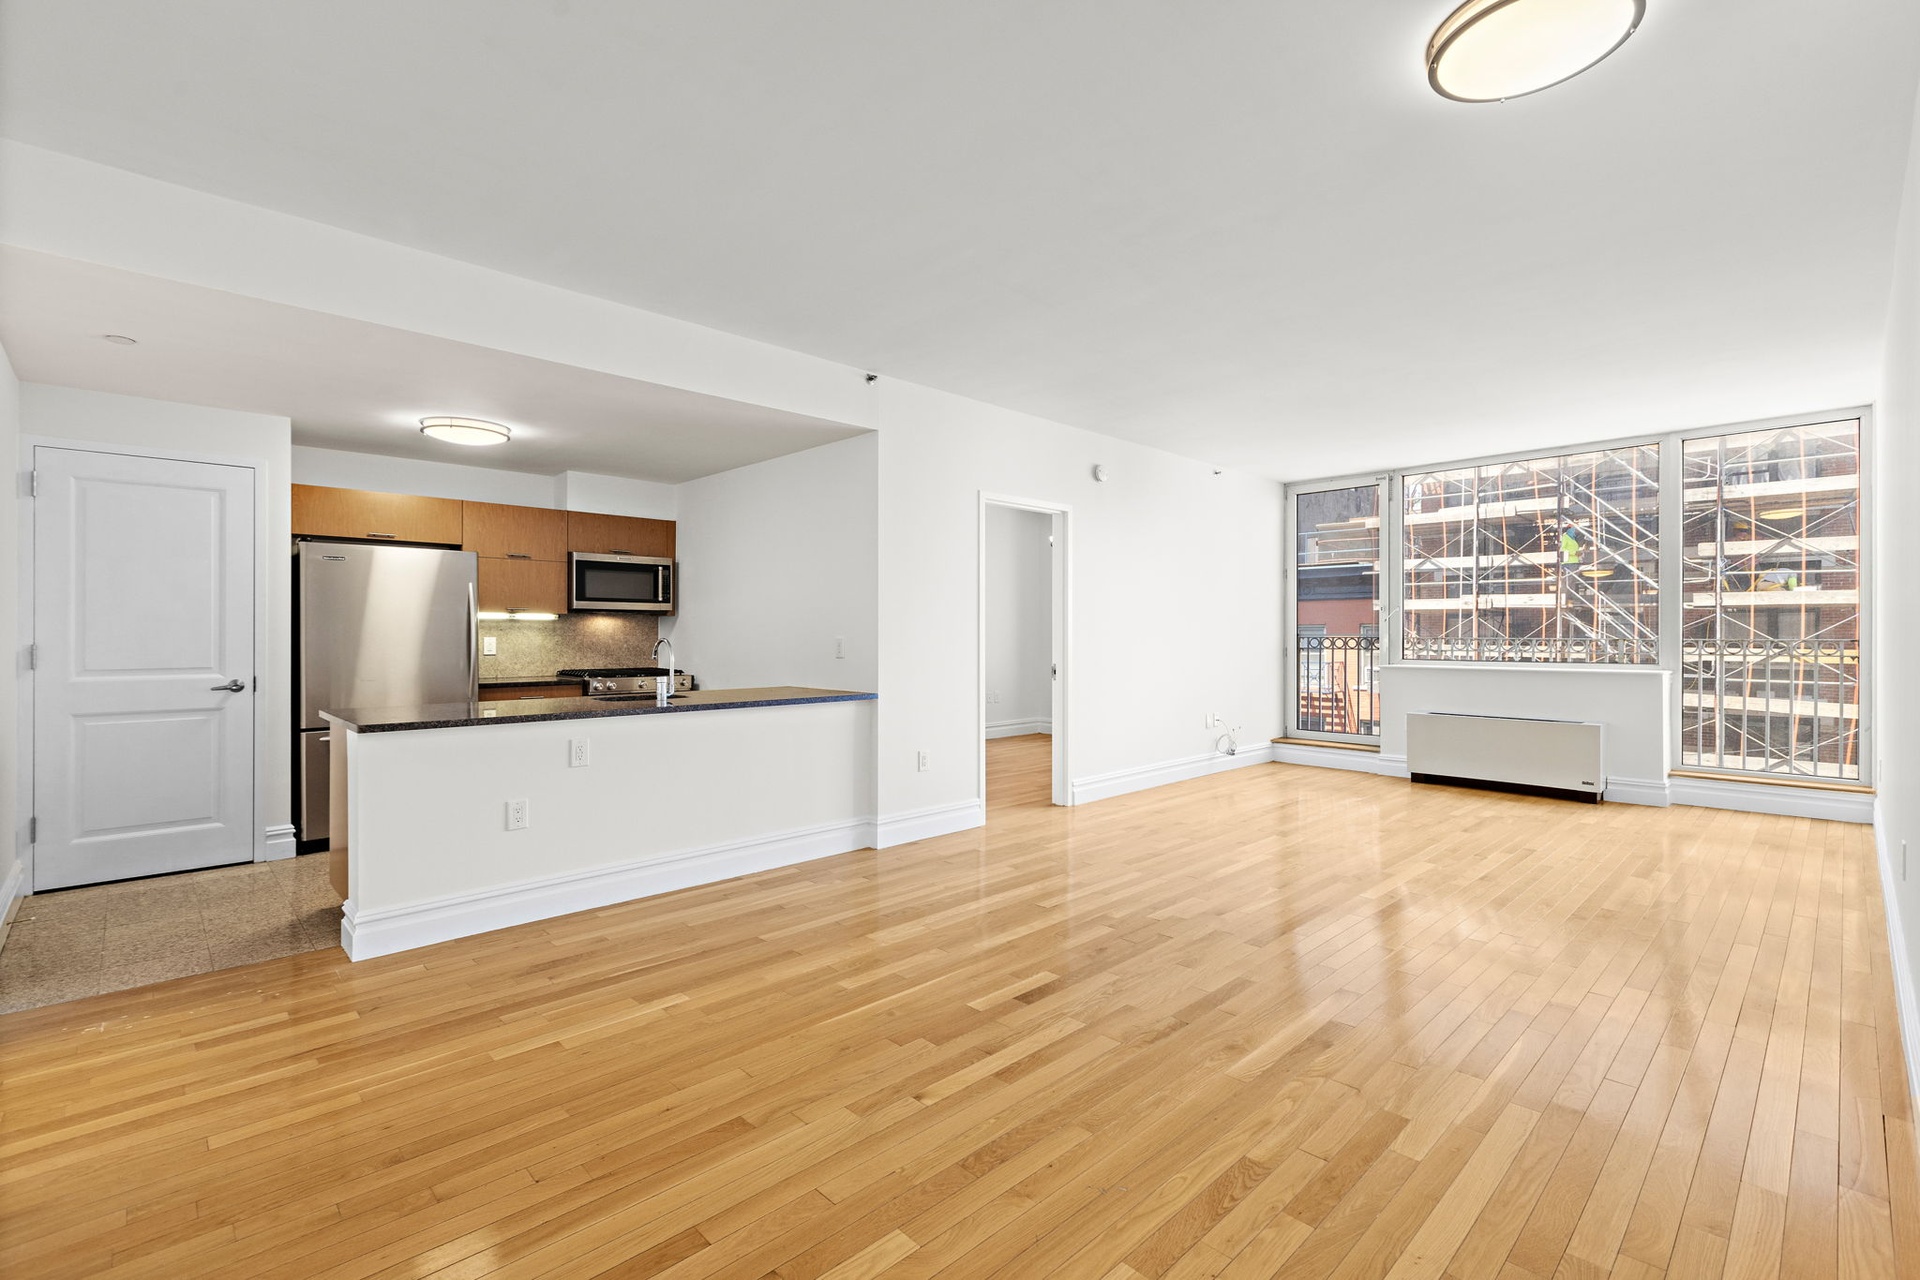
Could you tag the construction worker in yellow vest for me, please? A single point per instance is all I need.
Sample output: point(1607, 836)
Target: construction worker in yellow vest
point(1570, 549)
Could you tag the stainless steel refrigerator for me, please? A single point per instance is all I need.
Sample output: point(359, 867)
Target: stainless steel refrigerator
point(374, 627)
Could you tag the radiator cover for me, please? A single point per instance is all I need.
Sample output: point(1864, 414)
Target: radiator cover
point(1550, 757)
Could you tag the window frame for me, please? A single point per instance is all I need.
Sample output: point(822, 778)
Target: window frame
point(1670, 444)
point(1389, 595)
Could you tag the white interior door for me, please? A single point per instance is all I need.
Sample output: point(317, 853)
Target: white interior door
point(143, 616)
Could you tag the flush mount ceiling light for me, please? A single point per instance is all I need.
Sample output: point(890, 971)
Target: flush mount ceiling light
point(1492, 50)
point(121, 339)
point(470, 431)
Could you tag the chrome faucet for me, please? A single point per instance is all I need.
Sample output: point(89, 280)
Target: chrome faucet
point(663, 689)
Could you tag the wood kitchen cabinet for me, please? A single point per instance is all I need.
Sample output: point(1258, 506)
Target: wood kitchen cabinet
point(492, 529)
point(321, 512)
point(619, 535)
point(534, 586)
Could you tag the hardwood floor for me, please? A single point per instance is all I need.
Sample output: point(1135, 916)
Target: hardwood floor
point(1279, 1021)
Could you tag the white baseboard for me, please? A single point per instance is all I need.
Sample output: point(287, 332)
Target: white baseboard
point(925, 824)
point(366, 935)
point(1903, 978)
point(1655, 793)
point(13, 891)
point(1334, 758)
point(1757, 797)
point(1122, 781)
point(1018, 728)
point(281, 842)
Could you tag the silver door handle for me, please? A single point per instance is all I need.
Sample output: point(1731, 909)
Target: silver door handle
point(235, 685)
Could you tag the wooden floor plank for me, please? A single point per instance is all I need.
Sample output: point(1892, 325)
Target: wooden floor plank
point(1278, 1021)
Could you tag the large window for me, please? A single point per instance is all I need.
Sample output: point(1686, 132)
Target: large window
point(1754, 601)
point(1337, 611)
point(1770, 648)
point(1544, 560)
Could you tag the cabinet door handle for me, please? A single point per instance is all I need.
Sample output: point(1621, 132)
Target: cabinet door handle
point(389, 536)
point(517, 555)
point(618, 551)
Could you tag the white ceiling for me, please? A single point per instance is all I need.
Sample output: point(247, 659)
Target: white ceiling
point(1245, 229)
point(351, 385)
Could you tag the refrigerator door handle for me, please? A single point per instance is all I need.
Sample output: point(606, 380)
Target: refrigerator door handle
point(473, 643)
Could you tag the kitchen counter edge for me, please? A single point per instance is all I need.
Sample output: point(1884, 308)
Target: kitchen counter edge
point(454, 715)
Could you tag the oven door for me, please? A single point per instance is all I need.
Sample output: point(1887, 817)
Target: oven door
point(631, 584)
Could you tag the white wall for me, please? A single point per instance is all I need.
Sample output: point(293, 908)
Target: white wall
point(570, 490)
point(1173, 591)
point(1019, 621)
point(92, 417)
point(617, 495)
point(777, 563)
point(344, 469)
point(1896, 605)
point(13, 816)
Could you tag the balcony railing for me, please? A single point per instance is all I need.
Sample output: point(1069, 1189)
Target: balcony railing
point(1338, 685)
point(1529, 649)
point(1781, 707)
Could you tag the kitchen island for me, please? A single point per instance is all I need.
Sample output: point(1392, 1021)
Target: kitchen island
point(460, 818)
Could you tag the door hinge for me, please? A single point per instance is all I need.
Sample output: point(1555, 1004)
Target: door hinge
point(33, 830)
point(33, 657)
point(33, 483)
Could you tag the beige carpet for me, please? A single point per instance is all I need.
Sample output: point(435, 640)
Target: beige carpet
point(80, 942)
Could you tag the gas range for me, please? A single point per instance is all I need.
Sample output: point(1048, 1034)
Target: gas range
point(625, 679)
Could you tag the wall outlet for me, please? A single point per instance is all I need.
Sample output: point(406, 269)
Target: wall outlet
point(516, 815)
point(839, 646)
point(579, 755)
point(923, 761)
point(490, 646)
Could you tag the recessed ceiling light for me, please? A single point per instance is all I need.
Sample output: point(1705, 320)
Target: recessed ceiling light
point(122, 339)
point(1492, 50)
point(472, 431)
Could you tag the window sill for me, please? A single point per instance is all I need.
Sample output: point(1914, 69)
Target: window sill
point(1768, 780)
point(1373, 748)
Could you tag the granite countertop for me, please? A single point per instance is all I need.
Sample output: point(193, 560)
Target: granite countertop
point(452, 715)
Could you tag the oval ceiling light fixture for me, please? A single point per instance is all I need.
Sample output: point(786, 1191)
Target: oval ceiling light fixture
point(1492, 50)
point(121, 340)
point(470, 431)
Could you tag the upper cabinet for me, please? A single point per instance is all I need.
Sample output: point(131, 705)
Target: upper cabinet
point(515, 533)
point(320, 512)
point(619, 535)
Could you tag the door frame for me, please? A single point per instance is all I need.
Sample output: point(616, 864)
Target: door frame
point(25, 596)
point(1061, 595)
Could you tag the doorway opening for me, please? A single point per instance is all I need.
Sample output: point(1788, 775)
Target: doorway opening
point(1023, 652)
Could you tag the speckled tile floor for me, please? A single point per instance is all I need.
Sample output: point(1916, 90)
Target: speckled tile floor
point(81, 942)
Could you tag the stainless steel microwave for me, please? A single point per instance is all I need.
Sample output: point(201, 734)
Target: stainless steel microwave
point(634, 584)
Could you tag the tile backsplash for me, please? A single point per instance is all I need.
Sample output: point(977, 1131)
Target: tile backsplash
point(538, 649)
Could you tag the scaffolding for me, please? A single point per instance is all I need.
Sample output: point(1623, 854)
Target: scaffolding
point(1551, 559)
point(1770, 622)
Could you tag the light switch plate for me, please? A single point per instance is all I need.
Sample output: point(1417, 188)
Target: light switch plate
point(490, 646)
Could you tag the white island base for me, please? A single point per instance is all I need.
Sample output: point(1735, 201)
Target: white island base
point(666, 801)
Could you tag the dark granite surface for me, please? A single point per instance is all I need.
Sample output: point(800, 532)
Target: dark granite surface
point(453, 715)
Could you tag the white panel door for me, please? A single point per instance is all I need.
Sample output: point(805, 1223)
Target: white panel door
point(143, 616)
